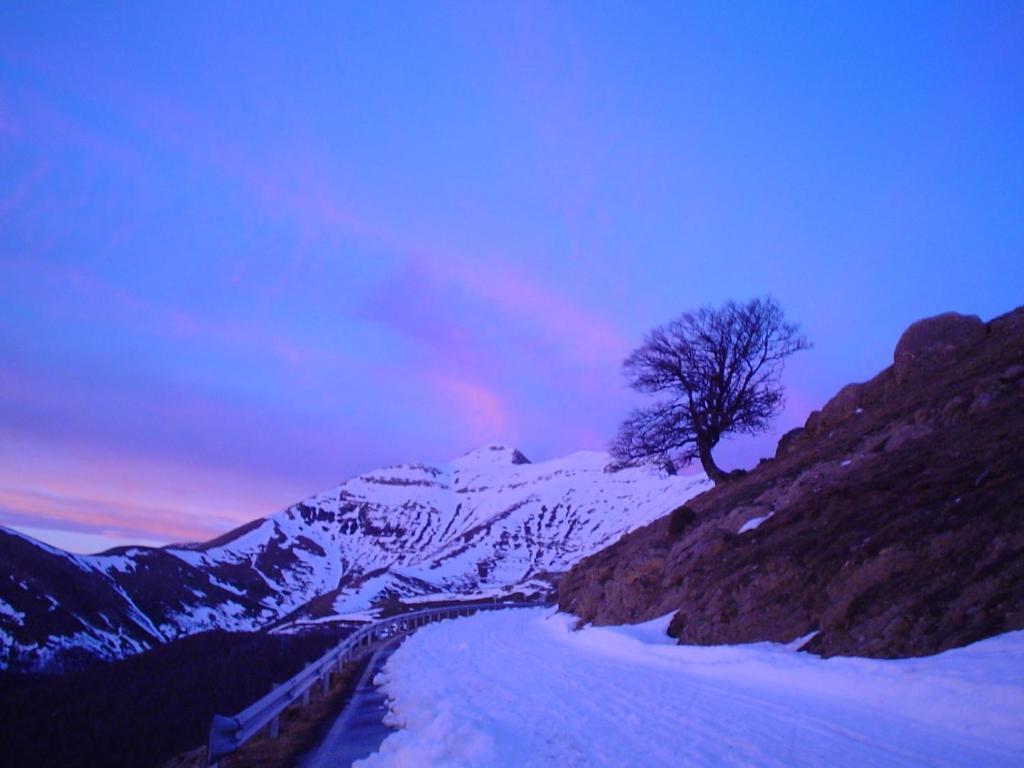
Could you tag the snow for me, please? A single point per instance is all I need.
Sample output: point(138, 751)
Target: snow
point(123, 563)
point(653, 632)
point(6, 609)
point(486, 456)
point(299, 626)
point(753, 523)
point(225, 586)
point(198, 618)
point(190, 556)
point(520, 688)
point(480, 526)
point(480, 594)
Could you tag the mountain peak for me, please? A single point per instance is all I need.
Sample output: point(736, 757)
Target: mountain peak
point(488, 524)
point(492, 454)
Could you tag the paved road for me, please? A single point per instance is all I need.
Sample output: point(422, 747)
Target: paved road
point(359, 729)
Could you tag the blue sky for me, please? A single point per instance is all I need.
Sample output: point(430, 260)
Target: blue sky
point(249, 250)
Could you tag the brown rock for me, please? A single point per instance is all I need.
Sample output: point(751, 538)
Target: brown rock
point(788, 442)
point(843, 406)
point(957, 404)
point(935, 342)
point(1012, 373)
point(984, 393)
point(813, 423)
point(1010, 324)
point(896, 532)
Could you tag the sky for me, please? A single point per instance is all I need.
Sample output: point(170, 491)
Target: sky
point(250, 250)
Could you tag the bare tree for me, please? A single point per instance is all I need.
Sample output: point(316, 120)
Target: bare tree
point(716, 372)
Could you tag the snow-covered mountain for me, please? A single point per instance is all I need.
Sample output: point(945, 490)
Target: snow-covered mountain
point(489, 523)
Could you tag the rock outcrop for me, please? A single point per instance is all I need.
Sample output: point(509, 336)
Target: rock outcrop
point(891, 524)
point(936, 342)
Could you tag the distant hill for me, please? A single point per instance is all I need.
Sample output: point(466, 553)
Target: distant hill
point(891, 524)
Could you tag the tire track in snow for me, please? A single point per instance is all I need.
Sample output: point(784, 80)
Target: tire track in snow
point(520, 689)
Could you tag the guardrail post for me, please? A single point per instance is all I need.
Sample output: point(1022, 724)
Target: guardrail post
point(222, 739)
point(275, 727)
point(305, 697)
point(327, 682)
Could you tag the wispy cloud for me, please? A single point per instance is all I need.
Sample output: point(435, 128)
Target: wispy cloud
point(300, 190)
point(467, 328)
point(32, 508)
point(483, 411)
point(584, 335)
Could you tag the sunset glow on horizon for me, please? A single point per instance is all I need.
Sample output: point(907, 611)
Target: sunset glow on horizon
point(245, 254)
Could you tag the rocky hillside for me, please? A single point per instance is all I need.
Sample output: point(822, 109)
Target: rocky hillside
point(487, 524)
point(891, 524)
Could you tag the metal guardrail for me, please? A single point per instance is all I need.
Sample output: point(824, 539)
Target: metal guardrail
point(228, 733)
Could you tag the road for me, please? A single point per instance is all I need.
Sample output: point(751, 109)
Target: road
point(359, 730)
point(521, 689)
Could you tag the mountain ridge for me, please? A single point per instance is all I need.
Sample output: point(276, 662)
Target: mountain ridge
point(488, 523)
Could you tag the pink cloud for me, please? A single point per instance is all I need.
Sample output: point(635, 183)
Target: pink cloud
point(583, 334)
point(300, 192)
point(29, 508)
point(481, 410)
point(458, 364)
point(62, 485)
point(298, 189)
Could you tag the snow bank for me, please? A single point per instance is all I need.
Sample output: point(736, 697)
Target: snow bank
point(753, 523)
point(520, 688)
point(6, 609)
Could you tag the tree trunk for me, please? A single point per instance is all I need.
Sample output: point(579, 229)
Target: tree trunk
point(708, 462)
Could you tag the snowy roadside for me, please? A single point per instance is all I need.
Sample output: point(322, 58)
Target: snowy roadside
point(521, 689)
